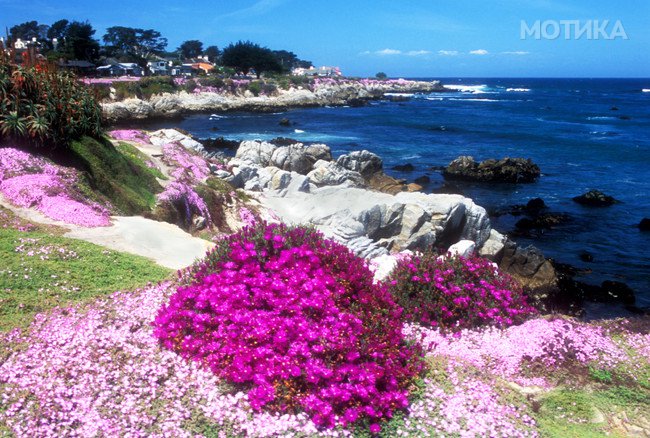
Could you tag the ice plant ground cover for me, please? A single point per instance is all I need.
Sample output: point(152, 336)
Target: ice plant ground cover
point(98, 370)
point(296, 321)
point(456, 292)
point(29, 181)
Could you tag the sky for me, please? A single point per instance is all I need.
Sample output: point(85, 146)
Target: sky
point(414, 38)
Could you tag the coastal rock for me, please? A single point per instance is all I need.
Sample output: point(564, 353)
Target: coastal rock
point(595, 198)
point(463, 248)
point(219, 143)
point(506, 170)
point(408, 167)
point(492, 249)
point(340, 93)
point(364, 162)
point(381, 222)
point(535, 205)
point(165, 136)
point(329, 173)
point(255, 152)
point(535, 273)
point(424, 179)
point(386, 184)
point(542, 222)
point(644, 225)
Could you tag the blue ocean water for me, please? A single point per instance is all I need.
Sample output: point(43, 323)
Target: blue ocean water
point(567, 126)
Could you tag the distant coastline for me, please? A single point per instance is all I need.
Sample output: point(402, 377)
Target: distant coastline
point(330, 92)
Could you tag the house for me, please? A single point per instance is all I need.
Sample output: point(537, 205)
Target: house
point(204, 66)
point(121, 69)
point(79, 67)
point(159, 67)
point(320, 71)
point(183, 70)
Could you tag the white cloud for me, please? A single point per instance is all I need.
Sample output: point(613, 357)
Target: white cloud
point(418, 52)
point(388, 52)
point(518, 53)
point(479, 52)
point(448, 52)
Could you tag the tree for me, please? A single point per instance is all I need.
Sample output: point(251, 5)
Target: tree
point(213, 53)
point(124, 41)
point(245, 55)
point(57, 30)
point(191, 49)
point(289, 60)
point(25, 31)
point(381, 76)
point(78, 41)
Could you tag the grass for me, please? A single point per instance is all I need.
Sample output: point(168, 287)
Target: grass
point(138, 158)
point(40, 270)
point(125, 181)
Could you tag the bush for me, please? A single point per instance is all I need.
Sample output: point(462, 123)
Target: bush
point(255, 88)
point(153, 85)
point(190, 86)
point(212, 81)
point(297, 321)
point(456, 292)
point(42, 107)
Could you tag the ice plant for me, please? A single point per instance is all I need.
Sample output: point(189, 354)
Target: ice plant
point(456, 292)
point(29, 181)
point(134, 135)
point(296, 321)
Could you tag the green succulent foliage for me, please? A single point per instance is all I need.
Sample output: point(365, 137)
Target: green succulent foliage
point(40, 106)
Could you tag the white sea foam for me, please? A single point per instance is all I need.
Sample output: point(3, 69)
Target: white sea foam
point(518, 90)
point(646, 90)
point(476, 89)
point(601, 118)
point(474, 100)
point(298, 131)
point(434, 98)
point(399, 94)
point(216, 117)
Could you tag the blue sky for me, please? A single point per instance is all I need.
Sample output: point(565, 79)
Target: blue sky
point(415, 38)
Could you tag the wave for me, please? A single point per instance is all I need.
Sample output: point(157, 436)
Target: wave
point(518, 90)
point(298, 131)
point(475, 89)
point(399, 94)
point(601, 118)
point(474, 100)
point(646, 90)
point(216, 117)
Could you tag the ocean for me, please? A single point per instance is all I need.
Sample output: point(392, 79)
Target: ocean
point(583, 133)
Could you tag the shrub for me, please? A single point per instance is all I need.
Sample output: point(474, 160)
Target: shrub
point(42, 107)
point(456, 292)
point(212, 81)
point(190, 86)
point(297, 321)
point(255, 87)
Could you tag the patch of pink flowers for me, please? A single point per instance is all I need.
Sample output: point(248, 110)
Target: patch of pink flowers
point(470, 408)
point(134, 135)
point(507, 353)
point(181, 193)
point(457, 292)
point(188, 170)
point(300, 325)
point(187, 166)
point(29, 181)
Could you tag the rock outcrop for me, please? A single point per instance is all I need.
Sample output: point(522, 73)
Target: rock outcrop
point(333, 196)
point(344, 92)
point(506, 170)
point(595, 198)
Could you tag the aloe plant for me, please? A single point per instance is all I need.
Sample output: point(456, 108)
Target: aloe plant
point(40, 106)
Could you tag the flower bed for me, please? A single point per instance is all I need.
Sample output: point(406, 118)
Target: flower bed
point(29, 181)
point(456, 292)
point(320, 337)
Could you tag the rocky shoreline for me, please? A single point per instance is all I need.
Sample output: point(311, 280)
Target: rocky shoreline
point(336, 93)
